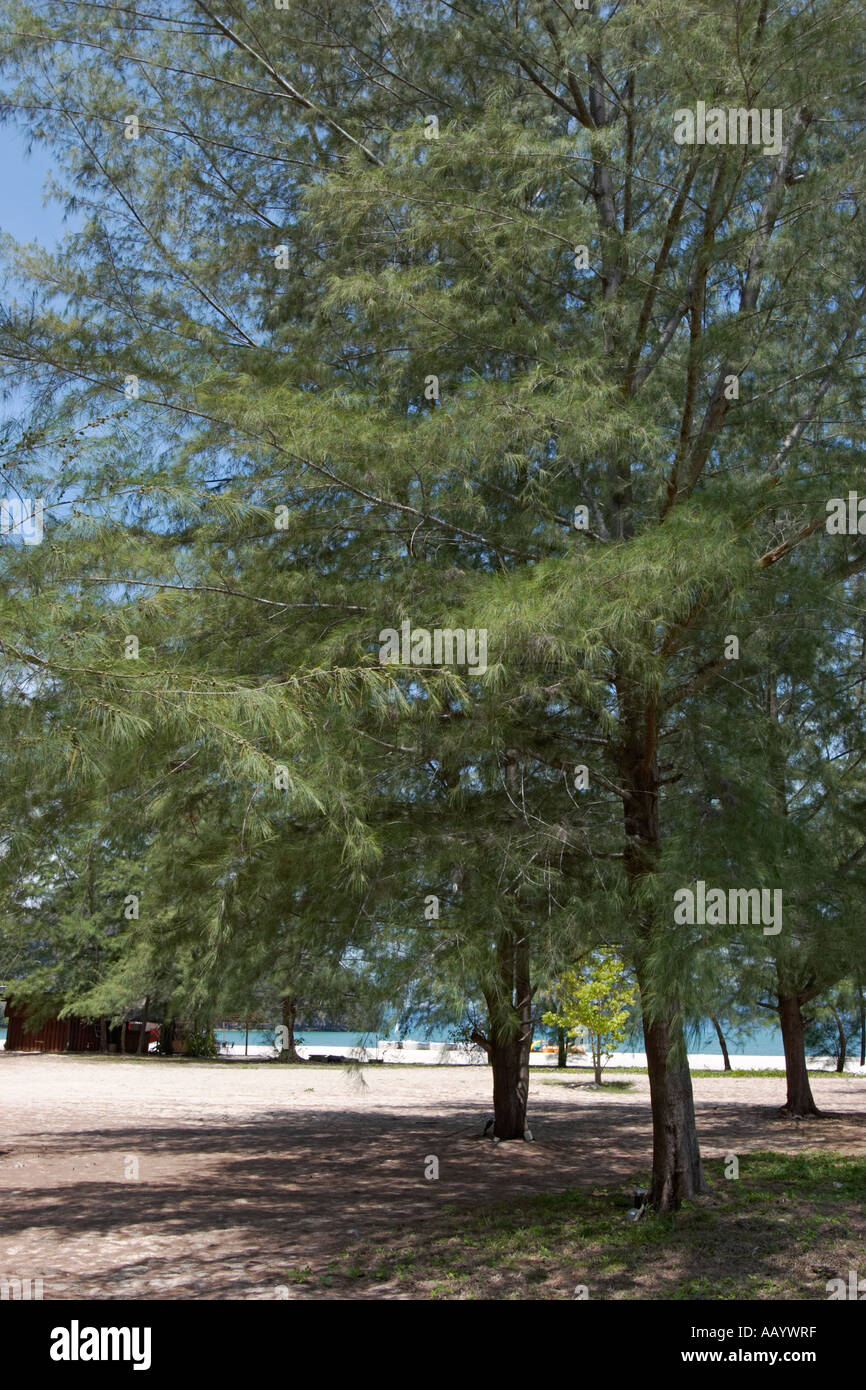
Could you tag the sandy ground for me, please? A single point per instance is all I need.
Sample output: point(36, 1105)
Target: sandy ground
point(145, 1179)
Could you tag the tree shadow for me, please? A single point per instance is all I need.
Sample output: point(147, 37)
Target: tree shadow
point(223, 1210)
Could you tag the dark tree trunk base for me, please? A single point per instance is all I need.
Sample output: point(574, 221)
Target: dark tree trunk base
point(800, 1101)
point(509, 1011)
point(510, 1063)
point(677, 1169)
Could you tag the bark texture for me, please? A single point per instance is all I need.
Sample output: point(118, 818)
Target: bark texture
point(677, 1169)
point(509, 1036)
point(799, 1100)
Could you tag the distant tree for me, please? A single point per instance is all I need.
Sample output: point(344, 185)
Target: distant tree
point(833, 1023)
point(595, 1000)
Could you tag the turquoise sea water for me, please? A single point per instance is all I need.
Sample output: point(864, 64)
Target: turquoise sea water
point(260, 1038)
point(767, 1042)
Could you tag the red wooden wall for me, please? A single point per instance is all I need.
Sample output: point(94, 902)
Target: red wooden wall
point(57, 1035)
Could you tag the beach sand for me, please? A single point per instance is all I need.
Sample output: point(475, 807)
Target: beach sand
point(155, 1179)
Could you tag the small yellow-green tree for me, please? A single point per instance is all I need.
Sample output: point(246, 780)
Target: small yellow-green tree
point(595, 999)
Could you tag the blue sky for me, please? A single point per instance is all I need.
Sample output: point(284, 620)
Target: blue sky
point(22, 214)
point(22, 176)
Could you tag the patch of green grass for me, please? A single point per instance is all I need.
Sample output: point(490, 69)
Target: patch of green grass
point(772, 1233)
point(777, 1072)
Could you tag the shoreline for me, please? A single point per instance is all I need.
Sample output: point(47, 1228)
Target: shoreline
point(441, 1054)
point(410, 1053)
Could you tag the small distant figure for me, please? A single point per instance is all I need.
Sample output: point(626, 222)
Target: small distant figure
point(487, 1128)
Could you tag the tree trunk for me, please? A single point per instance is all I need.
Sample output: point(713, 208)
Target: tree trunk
point(843, 1042)
point(142, 1032)
point(799, 1101)
point(722, 1044)
point(290, 1012)
point(510, 1062)
point(562, 1055)
point(862, 1030)
point(103, 1035)
point(677, 1169)
point(596, 1059)
point(509, 1036)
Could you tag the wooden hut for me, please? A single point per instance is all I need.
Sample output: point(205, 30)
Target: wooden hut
point(54, 1035)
